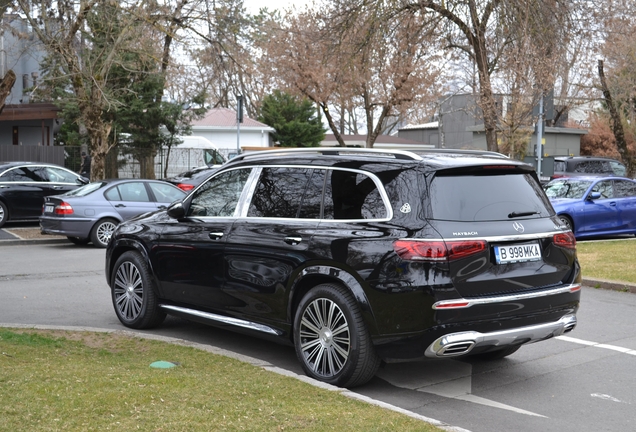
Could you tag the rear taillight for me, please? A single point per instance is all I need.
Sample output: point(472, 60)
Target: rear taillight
point(186, 187)
point(63, 208)
point(414, 250)
point(564, 239)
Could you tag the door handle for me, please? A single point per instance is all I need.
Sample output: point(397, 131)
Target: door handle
point(613, 204)
point(58, 187)
point(120, 205)
point(215, 235)
point(293, 240)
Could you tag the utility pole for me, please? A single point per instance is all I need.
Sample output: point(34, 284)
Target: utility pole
point(540, 136)
point(239, 120)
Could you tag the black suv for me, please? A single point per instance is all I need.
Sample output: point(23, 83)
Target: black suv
point(357, 256)
point(577, 166)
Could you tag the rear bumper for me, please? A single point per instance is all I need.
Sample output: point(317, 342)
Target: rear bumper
point(77, 227)
point(462, 343)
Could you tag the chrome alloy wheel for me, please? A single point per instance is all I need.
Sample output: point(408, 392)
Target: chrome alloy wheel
point(104, 231)
point(128, 291)
point(325, 337)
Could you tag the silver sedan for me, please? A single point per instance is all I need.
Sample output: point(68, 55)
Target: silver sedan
point(91, 212)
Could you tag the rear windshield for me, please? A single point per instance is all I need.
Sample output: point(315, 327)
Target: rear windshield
point(86, 189)
point(487, 197)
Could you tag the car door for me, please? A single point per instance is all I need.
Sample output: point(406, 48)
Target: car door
point(23, 189)
point(130, 199)
point(271, 241)
point(601, 214)
point(188, 258)
point(60, 180)
point(625, 194)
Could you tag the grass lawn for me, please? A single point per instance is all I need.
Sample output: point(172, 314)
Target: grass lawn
point(78, 381)
point(611, 260)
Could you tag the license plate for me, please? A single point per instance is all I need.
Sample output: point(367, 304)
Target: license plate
point(517, 253)
point(48, 209)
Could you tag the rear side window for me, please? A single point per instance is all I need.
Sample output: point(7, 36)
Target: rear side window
point(591, 167)
point(279, 192)
point(487, 197)
point(624, 188)
point(352, 195)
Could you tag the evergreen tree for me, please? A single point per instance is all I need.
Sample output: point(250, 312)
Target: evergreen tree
point(295, 120)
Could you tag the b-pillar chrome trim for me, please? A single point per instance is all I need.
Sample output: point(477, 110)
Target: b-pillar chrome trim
point(223, 319)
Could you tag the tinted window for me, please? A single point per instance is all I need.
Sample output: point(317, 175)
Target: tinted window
point(605, 188)
point(351, 195)
point(312, 200)
point(574, 189)
point(219, 195)
point(592, 167)
point(470, 198)
point(624, 188)
point(22, 174)
point(279, 192)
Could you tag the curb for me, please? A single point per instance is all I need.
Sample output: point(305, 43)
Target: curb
point(250, 360)
point(610, 285)
point(24, 242)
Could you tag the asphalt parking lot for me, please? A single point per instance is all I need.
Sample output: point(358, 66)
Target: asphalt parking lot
point(581, 381)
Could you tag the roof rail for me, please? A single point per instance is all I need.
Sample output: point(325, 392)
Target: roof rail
point(465, 151)
point(332, 151)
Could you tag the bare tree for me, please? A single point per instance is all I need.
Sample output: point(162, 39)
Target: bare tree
point(351, 60)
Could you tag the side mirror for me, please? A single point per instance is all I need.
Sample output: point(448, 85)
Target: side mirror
point(593, 196)
point(176, 210)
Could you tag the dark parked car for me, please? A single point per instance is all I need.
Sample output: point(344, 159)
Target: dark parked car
point(190, 179)
point(23, 186)
point(579, 166)
point(356, 256)
point(592, 206)
point(92, 212)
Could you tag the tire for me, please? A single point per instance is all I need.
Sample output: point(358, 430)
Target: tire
point(133, 294)
point(347, 359)
point(102, 231)
point(497, 354)
point(78, 240)
point(567, 222)
point(4, 214)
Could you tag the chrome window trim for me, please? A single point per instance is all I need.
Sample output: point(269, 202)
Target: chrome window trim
point(250, 187)
point(572, 288)
point(494, 239)
point(77, 176)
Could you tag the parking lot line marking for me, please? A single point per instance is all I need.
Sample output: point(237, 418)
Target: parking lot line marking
point(597, 345)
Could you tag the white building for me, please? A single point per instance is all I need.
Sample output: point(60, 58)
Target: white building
point(219, 125)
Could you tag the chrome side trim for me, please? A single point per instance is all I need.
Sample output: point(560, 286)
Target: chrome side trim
point(462, 303)
point(223, 319)
point(456, 344)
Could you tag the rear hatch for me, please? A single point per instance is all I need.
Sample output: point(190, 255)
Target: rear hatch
point(503, 228)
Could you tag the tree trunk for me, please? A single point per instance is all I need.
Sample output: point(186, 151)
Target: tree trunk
point(617, 124)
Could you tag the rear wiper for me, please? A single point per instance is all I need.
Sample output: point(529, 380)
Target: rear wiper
point(521, 214)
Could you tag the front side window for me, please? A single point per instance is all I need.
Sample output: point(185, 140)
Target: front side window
point(166, 193)
point(487, 197)
point(573, 189)
point(604, 188)
point(618, 169)
point(591, 167)
point(58, 175)
point(134, 192)
point(352, 195)
point(219, 196)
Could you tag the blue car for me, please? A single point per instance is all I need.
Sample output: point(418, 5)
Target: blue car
point(593, 206)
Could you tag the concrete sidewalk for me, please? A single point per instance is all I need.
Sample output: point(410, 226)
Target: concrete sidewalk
point(32, 235)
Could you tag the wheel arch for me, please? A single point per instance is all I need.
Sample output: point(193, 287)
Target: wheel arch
point(121, 247)
point(312, 276)
point(569, 216)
